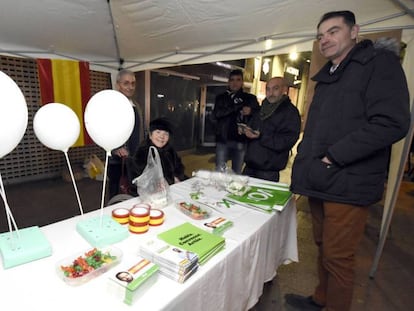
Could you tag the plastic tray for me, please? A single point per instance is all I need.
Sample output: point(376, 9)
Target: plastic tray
point(193, 209)
point(114, 252)
point(238, 185)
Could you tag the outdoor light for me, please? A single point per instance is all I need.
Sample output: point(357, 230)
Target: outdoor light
point(266, 66)
point(293, 56)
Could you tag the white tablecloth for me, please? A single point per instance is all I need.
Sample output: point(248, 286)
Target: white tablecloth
point(256, 246)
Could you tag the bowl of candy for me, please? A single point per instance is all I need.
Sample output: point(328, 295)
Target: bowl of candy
point(86, 265)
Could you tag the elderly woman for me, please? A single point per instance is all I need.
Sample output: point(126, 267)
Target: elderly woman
point(159, 135)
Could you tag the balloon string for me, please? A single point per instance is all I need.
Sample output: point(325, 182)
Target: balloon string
point(9, 214)
point(103, 186)
point(73, 182)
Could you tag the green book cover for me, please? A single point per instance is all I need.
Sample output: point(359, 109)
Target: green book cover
point(262, 196)
point(210, 254)
point(132, 280)
point(194, 239)
point(218, 226)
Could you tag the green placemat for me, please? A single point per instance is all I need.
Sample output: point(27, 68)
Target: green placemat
point(262, 197)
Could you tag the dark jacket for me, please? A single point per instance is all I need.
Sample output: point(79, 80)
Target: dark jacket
point(226, 114)
point(136, 137)
point(170, 161)
point(278, 134)
point(356, 114)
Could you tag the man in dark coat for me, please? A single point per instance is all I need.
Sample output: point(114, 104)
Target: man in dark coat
point(232, 107)
point(121, 158)
point(276, 130)
point(360, 108)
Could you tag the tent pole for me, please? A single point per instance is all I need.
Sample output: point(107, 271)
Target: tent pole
point(118, 53)
point(382, 19)
point(404, 7)
point(395, 189)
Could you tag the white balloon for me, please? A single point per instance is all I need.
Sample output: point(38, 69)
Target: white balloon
point(109, 119)
point(13, 115)
point(56, 126)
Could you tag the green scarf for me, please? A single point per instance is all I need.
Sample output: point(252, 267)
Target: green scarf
point(268, 108)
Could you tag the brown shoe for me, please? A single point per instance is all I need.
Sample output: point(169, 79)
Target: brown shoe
point(302, 303)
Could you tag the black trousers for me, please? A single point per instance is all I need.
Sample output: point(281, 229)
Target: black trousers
point(114, 176)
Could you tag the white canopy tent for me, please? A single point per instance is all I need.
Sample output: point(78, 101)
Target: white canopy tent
point(149, 34)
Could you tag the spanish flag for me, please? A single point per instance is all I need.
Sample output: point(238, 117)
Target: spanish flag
point(66, 82)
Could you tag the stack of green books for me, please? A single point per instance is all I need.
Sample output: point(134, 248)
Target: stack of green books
point(132, 280)
point(174, 262)
point(194, 239)
point(265, 197)
point(218, 225)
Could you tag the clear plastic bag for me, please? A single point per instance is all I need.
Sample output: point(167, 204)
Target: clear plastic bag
point(151, 185)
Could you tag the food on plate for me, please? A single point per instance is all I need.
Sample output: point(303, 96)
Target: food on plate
point(193, 210)
point(90, 261)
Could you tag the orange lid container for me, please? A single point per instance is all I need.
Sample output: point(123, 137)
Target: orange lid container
point(138, 227)
point(156, 217)
point(140, 213)
point(121, 215)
